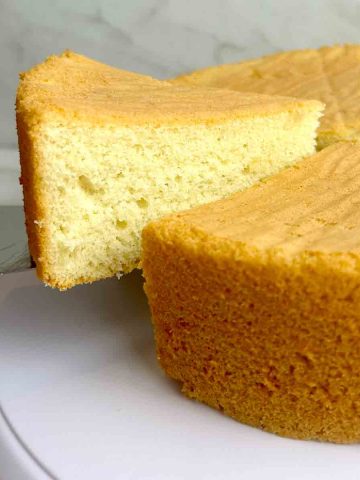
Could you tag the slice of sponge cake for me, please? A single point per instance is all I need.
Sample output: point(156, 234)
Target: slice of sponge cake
point(329, 74)
point(103, 151)
point(256, 299)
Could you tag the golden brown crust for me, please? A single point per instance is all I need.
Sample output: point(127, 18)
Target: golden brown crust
point(267, 334)
point(328, 74)
point(74, 86)
point(32, 200)
point(241, 335)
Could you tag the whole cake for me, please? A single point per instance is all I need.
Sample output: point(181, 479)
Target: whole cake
point(329, 74)
point(255, 299)
point(103, 151)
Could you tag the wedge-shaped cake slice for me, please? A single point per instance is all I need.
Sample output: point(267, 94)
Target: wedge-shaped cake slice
point(256, 299)
point(103, 151)
point(329, 74)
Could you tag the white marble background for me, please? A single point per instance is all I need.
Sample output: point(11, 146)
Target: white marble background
point(159, 37)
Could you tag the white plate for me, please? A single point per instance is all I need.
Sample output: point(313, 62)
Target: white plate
point(82, 397)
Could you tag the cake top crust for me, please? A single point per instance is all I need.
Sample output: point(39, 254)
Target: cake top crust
point(76, 86)
point(328, 74)
point(311, 206)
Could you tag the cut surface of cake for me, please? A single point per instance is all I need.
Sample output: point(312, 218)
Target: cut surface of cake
point(329, 74)
point(103, 151)
point(255, 299)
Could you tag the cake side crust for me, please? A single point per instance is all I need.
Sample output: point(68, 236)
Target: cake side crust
point(272, 343)
point(33, 205)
